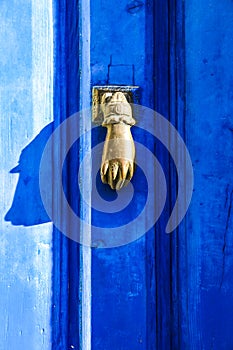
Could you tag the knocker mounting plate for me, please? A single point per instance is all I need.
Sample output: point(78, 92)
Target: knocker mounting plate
point(131, 93)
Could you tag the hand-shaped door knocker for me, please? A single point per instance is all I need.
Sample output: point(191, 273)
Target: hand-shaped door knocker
point(118, 157)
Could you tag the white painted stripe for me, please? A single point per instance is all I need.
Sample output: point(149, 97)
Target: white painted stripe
point(85, 252)
point(42, 95)
point(26, 107)
point(42, 63)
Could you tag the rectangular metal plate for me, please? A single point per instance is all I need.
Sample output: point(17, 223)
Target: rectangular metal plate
point(131, 93)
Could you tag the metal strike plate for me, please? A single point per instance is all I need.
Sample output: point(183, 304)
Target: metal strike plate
point(112, 107)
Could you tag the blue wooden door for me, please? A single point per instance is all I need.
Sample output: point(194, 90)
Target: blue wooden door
point(116, 285)
point(125, 296)
point(154, 291)
point(160, 291)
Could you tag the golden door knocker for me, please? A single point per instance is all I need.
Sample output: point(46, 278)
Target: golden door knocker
point(112, 110)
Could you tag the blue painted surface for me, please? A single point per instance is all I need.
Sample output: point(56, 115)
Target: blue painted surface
point(66, 253)
point(122, 278)
point(193, 266)
point(195, 301)
point(162, 291)
point(25, 252)
point(209, 79)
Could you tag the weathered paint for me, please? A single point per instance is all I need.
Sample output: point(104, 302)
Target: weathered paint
point(26, 92)
point(161, 292)
point(209, 110)
point(122, 307)
point(194, 302)
point(85, 101)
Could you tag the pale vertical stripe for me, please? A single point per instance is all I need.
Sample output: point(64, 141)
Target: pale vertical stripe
point(42, 63)
point(85, 83)
point(42, 94)
point(25, 252)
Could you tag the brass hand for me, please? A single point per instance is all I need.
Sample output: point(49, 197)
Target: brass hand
point(117, 166)
point(118, 156)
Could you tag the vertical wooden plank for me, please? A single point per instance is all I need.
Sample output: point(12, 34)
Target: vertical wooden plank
point(171, 250)
point(209, 56)
point(179, 243)
point(123, 277)
point(60, 304)
point(66, 253)
point(163, 241)
point(72, 262)
point(26, 91)
point(86, 174)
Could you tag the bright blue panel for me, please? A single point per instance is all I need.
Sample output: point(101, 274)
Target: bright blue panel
point(122, 277)
point(209, 82)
